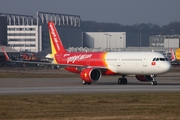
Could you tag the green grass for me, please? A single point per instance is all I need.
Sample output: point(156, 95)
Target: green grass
point(129, 106)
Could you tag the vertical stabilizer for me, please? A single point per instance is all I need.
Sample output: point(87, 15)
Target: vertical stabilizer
point(56, 43)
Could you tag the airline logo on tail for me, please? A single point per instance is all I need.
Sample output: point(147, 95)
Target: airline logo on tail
point(56, 44)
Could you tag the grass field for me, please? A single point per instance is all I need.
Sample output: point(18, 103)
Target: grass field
point(121, 106)
point(129, 106)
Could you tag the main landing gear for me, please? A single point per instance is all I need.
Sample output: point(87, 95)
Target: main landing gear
point(84, 82)
point(122, 80)
point(153, 82)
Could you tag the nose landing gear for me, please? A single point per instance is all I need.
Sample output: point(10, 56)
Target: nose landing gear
point(153, 82)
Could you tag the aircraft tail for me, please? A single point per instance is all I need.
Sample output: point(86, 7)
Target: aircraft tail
point(56, 43)
point(173, 58)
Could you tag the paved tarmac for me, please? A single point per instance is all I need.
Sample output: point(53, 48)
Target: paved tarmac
point(107, 84)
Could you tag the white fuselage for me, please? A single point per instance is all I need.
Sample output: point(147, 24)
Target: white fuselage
point(133, 63)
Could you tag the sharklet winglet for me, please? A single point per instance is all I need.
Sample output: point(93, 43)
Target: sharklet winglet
point(6, 55)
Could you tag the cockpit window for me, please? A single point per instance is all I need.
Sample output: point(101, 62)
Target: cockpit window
point(160, 59)
point(154, 59)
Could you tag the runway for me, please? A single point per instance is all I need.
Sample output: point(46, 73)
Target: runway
point(11, 86)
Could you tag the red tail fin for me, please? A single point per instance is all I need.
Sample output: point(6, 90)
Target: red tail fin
point(56, 43)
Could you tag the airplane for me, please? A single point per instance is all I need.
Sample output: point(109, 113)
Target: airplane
point(175, 56)
point(93, 65)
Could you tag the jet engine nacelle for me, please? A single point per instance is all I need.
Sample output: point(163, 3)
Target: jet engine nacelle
point(144, 78)
point(90, 74)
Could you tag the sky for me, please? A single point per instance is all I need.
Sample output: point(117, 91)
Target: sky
point(125, 12)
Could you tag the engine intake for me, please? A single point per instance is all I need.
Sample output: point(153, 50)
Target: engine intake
point(144, 78)
point(90, 74)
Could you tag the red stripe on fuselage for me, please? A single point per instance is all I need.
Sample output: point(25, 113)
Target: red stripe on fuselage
point(82, 58)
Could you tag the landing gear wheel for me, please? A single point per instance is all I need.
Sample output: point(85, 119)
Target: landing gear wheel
point(124, 80)
point(89, 83)
point(154, 83)
point(84, 82)
point(120, 81)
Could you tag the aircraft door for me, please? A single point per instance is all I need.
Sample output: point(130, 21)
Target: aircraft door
point(119, 62)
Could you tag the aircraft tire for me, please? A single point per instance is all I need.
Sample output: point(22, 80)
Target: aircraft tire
point(89, 83)
point(84, 82)
point(124, 80)
point(154, 83)
point(120, 80)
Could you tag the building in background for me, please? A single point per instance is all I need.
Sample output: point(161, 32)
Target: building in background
point(25, 33)
point(68, 27)
point(165, 41)
point(108, 40)
point(3, 30)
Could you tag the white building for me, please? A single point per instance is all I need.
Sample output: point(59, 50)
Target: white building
point(23, 38)
point(104, 40)
point(25, 33)
point(166, 41)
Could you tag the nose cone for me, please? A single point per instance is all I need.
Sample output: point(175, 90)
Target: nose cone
point(166, 67)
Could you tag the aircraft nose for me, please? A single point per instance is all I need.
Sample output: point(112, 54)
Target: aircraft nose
point(167, 66)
